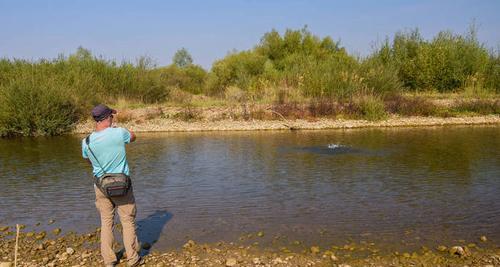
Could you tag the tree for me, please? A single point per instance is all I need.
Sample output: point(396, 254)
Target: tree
point(182, 58)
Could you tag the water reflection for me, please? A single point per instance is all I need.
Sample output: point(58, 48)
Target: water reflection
point(437, 183)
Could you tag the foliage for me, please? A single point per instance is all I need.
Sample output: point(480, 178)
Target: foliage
point(370, 108)
point(444, 63)
point(47, 97)
point(190, 78)
point(182, 58)
point(31, 109)
point(296, 71)
point(492, 76)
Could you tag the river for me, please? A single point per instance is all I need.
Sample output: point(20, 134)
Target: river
point(391, 186)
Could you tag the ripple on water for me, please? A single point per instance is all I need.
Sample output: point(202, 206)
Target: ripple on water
point(427, 184)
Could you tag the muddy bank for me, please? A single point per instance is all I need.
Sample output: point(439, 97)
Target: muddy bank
point(142, 122)
point(51, 249)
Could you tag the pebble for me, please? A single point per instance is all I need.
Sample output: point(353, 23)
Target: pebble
point(40, 236)
point(460, 251)
point(483, 238)
point(189, 244)
point(441, 248)
point(86, 255)
point(231, 262)
point(70, 251)
point(315, 250)
point(278, 261)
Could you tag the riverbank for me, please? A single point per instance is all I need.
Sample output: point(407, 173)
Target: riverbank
point(149, 120)
point(37, 249)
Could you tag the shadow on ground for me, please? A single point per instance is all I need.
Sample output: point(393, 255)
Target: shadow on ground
point(149, 229)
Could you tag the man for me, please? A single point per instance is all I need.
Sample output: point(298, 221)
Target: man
point(107, 155)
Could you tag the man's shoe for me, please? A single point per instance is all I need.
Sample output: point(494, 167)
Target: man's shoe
point(139, 262)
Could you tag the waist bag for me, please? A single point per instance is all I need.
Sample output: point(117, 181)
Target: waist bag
point(110, 184)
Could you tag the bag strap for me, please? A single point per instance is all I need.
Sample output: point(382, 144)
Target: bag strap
point(87, 141)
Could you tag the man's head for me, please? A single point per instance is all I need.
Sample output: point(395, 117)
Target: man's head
point(102, 113)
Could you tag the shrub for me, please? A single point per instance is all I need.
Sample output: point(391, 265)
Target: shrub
point(323, 107)
point(380, 78)
point(27, 109)
point(188, 113)
point(370, 108)
point(443, 64)
point(237, 69)
point(492, 80)
point(290, 110)
point(410, 106)
point(190, 78)
point(235, 94)
point(179, 96)
point(478, 106)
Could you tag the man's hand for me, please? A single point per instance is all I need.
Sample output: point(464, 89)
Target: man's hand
point(132, 136)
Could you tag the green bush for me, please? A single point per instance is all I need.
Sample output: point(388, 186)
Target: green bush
point(240, 69)
point(33, 92)
point(492, 80)
point(381, 79)
point(28, 109)
point(444, 63)
point(370, 108)
point(190, 78)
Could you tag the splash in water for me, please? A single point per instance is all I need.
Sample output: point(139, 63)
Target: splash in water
point(335, 146)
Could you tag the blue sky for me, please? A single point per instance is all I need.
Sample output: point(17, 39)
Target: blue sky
point(126, 30)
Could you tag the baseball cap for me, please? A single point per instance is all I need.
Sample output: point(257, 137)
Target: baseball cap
point(101, 112)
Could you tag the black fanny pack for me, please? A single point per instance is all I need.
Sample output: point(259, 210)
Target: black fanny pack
point(110, 184)
point(113, 184)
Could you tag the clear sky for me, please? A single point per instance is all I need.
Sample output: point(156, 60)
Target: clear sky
point(126, 30)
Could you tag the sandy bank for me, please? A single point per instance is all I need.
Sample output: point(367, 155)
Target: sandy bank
point(173, 125)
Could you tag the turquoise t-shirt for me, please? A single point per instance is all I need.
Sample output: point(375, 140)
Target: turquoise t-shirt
point(108, 147)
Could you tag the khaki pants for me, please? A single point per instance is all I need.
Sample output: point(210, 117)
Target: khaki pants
point(127, 211)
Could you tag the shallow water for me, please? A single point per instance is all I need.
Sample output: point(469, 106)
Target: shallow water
point(394, 187)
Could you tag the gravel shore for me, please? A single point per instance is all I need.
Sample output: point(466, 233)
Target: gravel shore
point(173, 125)
point(37, 249)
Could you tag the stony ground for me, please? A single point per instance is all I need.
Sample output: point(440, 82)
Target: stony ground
point(158, 119)
point(37, 249)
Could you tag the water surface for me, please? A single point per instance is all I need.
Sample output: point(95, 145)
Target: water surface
point(395, 187)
